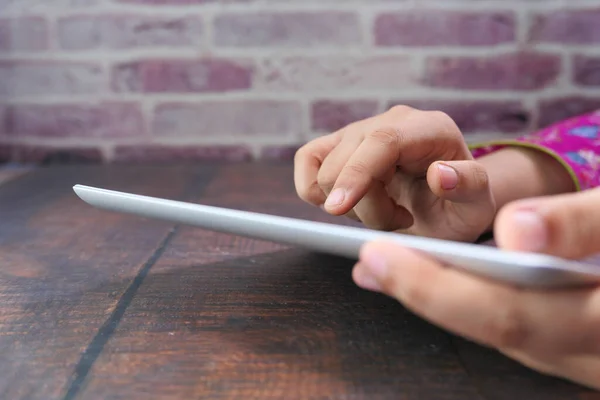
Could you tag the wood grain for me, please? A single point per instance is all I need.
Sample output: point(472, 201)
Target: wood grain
point(9, 173)
point(221, 317)
point(98, 305)
point(67, 271)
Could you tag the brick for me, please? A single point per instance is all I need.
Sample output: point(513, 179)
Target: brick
point(566, 26)
point(292, 29)
point(4, 157)
point(278, 153)
point(46, 155)
point(128, 31)
point(23, 34)
point(4, 122)
point(181, 76)
point(343, 2)
point(444, 28)
point(40, 78)
point(341, 73)
point(179, 2)
point(586, 70)
point(103, 120)
point(333, 115)
point(520, 71)
point(479, 115)
point(178, 154)
point(235, 118)
point(558, 109)
point(40, 6)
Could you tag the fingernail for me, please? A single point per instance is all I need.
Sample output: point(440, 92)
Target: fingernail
point(367, 282)
point(375, 264)
point(449, 177)
point(335, 198)
point(533, 232)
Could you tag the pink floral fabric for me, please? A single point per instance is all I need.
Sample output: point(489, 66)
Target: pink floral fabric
point(574, 142)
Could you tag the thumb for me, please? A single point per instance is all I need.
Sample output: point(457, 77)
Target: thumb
point(565, 225)
point(466, 184)
point(464, 181)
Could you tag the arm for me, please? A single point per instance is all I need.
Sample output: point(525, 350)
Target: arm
point(518, 172)
point(563, 157)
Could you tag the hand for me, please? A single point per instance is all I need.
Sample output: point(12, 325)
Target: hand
point(404, 170)
point(556, 332)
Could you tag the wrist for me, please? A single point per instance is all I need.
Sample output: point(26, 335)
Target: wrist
point(518, 172)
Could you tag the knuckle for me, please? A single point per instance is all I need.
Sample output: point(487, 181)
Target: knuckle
point(386, 136)
point(301, 154)
point(481, 179)
point(356, 169)
point(509, 330)
point(302, 186)
point(325, 179)
point(441, 117)
point(400, 109)
point(447, 124)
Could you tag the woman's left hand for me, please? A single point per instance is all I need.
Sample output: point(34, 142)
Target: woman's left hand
point(556, 332)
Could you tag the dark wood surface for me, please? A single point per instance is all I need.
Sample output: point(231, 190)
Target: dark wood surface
point(97, 305)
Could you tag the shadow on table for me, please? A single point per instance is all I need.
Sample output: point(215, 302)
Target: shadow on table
point(290, 317)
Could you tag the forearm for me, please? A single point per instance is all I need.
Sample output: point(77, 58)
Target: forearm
point(519, 172)
point(560, 158)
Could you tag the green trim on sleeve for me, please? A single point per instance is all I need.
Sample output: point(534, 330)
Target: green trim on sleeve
point(551, 153)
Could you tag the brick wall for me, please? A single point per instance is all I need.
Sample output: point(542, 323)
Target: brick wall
point(135, 80)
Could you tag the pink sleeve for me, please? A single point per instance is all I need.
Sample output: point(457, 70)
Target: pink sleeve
point(575, 143)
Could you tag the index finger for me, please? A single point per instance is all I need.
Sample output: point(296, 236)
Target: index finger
point(411, 140)
point(307, 162)
point(494, 314)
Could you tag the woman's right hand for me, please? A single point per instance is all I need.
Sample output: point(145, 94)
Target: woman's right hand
point(556, 332)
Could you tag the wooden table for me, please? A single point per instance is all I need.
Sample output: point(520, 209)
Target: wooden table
point(98, 305)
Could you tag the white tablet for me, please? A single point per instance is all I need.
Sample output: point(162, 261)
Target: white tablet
point(522, 269)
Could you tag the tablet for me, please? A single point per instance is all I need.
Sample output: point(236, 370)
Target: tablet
point(517, 268)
